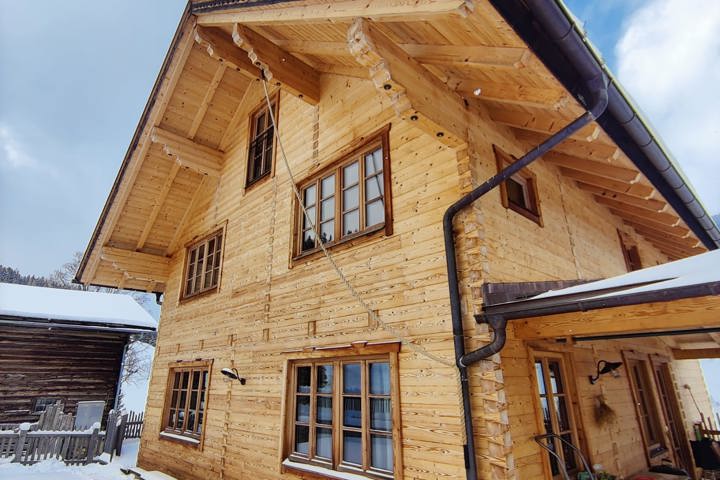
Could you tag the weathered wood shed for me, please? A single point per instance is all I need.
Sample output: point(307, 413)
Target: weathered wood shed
point(62, 345)
point(291, 188)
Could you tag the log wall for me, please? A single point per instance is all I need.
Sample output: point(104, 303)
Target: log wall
point(71, 365)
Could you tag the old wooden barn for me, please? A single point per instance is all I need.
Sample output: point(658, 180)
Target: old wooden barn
point(62, 346)
point(337, 201)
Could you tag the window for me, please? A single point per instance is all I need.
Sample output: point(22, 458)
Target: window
point(630, 252)
point(42, 403)
point(519, 192)
point(262, 142)
point(556, 409)
point(341, 415)
point(646, 407)
point(185, 401)
point(349, 199)
point(202, 270)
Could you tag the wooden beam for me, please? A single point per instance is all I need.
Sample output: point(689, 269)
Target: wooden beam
point(665, 238)
point(640, 190)
point(186, 216)
point(511, 93)
point(137, 263)
point(137, 157)
point(546, 122)
point(345, 71)
point(599, 151)
point(418, 95)
point(646, 203)
point(189, 154)
point(700, 312)
point(695, 353)
point(678, 230)
point(593, 167)
point(220, 47)
point(659, 217)
point(159, 202)
point(340, 11)
point(205, 103)
point(293, 74)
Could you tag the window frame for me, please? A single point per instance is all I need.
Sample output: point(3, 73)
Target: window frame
point(253, 135)
point(385, 353)
point(528, 182)
point(354, 152)
point(35, 410)
point(170, 434)
point(630, 252)
point(195, 245)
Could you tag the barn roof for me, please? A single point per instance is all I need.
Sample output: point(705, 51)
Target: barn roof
point(72, 309)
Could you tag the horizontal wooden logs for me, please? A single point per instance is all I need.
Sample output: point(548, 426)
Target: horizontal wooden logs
point(151, 266)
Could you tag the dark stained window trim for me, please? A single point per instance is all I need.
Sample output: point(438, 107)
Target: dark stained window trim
point(533, 212)
point(631, 254)
point(354, 151)
point(275, 101)
point(184, 296)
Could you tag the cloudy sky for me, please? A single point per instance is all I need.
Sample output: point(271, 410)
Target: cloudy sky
point(76, 74)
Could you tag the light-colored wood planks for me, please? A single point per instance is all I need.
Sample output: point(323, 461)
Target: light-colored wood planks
point(188, 154)
point(202, 110)
point(695, 353)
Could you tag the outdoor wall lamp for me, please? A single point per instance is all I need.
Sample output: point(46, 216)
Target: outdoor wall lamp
point(607, 367)
point(232, 374)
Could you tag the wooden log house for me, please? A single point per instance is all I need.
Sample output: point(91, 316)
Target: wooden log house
point(285, 191)
point(62, 346)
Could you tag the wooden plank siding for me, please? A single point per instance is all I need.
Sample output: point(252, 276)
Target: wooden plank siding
point(70, 365)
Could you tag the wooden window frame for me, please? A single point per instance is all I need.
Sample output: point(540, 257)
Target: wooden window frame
point(630, 252)
point(385, 353)
point(173, 435)
point(528, 180)
point(651, 401)
point(378, 139)
point(570, 395)
point(195, 246)
point(35, 410)
point(253, 135)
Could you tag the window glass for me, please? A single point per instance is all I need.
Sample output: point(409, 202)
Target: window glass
point(186, 401)
point(203, 265)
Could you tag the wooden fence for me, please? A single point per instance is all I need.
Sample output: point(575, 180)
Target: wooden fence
point(134, 425)
point(28, 447)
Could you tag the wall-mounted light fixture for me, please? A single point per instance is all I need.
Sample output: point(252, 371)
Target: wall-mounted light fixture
point(232, 374)
point(604, 367)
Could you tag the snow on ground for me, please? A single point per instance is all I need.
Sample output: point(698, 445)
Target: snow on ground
point(135, 391)
point(57, 470)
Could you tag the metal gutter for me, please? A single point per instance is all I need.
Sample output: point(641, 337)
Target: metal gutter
point(133, 144)
point(219, 5)
point(536, 20)
point(32, 322)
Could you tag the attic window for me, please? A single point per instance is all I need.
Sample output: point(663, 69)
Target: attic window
point(261, 149)
point(519, 192)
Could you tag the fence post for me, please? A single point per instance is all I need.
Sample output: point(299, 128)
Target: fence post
point(120, 435)
point(20, 445)
point(93, 444)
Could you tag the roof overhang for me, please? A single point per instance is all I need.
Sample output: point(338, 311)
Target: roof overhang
point(52, 324)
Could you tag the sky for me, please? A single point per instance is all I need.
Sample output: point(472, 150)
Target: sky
point(75, 76)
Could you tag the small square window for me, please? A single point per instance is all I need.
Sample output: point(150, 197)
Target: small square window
point(203, 265)
point(519, 192)
point(261, 148)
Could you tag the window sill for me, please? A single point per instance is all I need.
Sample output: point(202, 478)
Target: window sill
point(202, 294)
point(348, 242)
point(315, 471)
point(174, 437)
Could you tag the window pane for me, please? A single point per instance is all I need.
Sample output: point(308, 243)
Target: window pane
point(173, 418)
point(324, 410)
point(540, 377)
point(351, 198)
point(191, 421)
point(351, 378)
point(200, 422)
point(327, 231)
point(309, 218)
point(351, 222)
point(381, 452)
point(374, 213)
point(555, 377)
point(327, 186)
point(174, 398)
point(176, 384)
point(193, 399)
point(185, 378)
point(324, 379)
point(352, 447)
point(180, 420)
point(546, 414)
point(569, 453)
point(562, 414)
point(308, 240)
point(380, 378)
point(516, 193)
point(373, 162)
point(303, 379)
point(327, 210)
point(302, 409)
point(352, 412)
point(323, 439)
point(350, 174)
point(374, 187)
point(302, 439)
point(380, 414)
point(310, 195)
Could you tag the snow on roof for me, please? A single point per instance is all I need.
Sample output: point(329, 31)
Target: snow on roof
point(696, 270)
point(72, 305)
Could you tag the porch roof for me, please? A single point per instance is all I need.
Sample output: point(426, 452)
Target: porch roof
point(678, 299)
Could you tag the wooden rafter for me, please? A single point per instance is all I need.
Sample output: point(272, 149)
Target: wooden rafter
point(591, 150)
point(341, 10)
point(695, 353)
point(678, 230)
point(659, 217)
point(641, 190)
point(418, 95)
point(546, 123)
point(647, 203)
point(157, 205)
point(665, 237)
point(150, 267)
point(138, 156)
point(593, 167)
point(511, 93)
point(205, 103)
point(186, 216)
point(189, 154)
point(279, 66)
point(219, 46)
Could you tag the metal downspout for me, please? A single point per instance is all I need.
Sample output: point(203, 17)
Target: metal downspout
point(598, 85)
